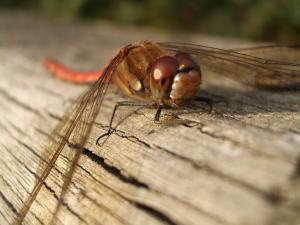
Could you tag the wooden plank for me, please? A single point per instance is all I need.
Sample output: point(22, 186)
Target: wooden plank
point(237, 165)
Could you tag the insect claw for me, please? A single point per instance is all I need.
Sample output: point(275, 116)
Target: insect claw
point(208, 101)
point(226, 102)
point(101, 136)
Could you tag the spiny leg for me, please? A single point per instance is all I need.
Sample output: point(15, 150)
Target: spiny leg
point(119, 104)
point(210, 102)
point(158, 112)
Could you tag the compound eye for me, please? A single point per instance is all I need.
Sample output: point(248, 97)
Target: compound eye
point(186, 61)
point(164, 67)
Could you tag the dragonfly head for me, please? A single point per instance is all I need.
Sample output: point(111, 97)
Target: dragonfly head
point(175, 79)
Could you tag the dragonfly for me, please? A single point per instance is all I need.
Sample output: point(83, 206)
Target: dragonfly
point(163, 74)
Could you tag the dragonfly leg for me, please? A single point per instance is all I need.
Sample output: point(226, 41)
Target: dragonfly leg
point(119, 104)
point(158, 112)
point(210, 102)
point(206, 100)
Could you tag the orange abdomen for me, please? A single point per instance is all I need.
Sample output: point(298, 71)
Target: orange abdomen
point(65, 73)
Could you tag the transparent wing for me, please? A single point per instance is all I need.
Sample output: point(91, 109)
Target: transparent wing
point(284, 53)
point(74, 128)
point(252, 70)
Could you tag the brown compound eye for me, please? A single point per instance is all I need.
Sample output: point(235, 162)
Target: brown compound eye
point(164, 67)
point(163, 71)
point(186, 61)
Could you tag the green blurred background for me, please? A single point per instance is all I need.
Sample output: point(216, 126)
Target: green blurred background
point(271, 20)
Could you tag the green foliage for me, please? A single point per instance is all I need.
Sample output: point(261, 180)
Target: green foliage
point(66, 9)
point(16, 3)
point(277, 20)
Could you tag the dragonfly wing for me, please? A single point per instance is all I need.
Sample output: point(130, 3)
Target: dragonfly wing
point(246, 68)
point(74, 128)
point(284, 53)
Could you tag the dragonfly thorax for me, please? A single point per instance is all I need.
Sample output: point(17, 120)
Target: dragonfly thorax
point(175, 79)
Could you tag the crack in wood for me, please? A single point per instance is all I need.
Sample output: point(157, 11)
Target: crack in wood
point(16, 128)
point(147, 209)
point(102, 206)
point(225, 118)
point(199, 126)
point(45, 184)
point(64, 203)
point(296, 172)
point(8, 203)
point(155, 213)
point(272, 197)
point(4, 216)
point(117, 173)
point(113, 170)
point(247, 96)
point(12, 190)
point(30, 171)
point(156, 147)
point(122, 134)
point(100, 160)
point(17, 102)
point(54, 116)
point(267, 195)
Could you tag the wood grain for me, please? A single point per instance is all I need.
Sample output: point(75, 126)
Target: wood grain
point(238, 165)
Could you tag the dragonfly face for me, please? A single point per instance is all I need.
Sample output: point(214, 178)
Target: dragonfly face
point(150, 73)
point(174, 79)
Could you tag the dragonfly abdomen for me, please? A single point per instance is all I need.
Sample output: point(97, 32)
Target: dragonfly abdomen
point(61, 71)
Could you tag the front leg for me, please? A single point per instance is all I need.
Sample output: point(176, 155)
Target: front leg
point(158, 112)
point(119, 104)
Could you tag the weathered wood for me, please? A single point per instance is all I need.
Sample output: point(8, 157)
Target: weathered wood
point(238, 165)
